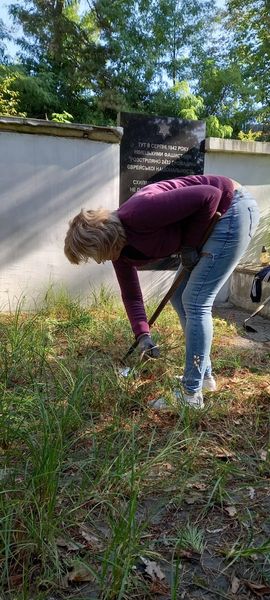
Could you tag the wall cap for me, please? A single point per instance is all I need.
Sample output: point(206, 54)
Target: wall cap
point(213, 144)
point(95, 133)
point(250, 268)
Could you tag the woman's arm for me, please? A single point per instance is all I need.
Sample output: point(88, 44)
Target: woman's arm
point(131, 295)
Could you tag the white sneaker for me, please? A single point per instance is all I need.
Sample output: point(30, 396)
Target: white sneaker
point(193, 400)
point(209, 383)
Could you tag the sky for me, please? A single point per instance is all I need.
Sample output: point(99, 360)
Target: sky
point(11, 47)
point(8, 23)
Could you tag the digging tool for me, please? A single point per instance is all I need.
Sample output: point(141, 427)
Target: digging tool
point(173, 287)
point(248, 327)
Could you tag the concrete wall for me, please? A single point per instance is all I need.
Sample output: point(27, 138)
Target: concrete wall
point(45, 180)
point(248, 163)
point(48, 172)
point(240, 287)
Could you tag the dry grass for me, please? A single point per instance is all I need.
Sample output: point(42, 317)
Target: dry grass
point(96, 486)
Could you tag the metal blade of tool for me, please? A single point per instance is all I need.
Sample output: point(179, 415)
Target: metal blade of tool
point(248, 327)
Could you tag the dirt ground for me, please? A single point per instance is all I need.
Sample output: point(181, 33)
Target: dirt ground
point(202, 513)
point(232, 314)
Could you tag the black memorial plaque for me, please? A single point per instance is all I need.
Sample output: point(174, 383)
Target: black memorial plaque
point(157, 148)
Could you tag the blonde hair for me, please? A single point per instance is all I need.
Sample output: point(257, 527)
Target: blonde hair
point(97, 234)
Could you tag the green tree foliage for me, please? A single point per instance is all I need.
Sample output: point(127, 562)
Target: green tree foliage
point(95, 58)
point(181, 34)
point(232, 78)
point(4, 36)
point(64, 117)
point(9, 98)
point(215, 129)
point(125, 35)
point(190, 105)
point(37, 94)
point(150, 45)
point(60, 45)
point(249, 136)
point(185, 104)
point(193, 107)
point(249, 23)
point(225, 94)
point(112, 57)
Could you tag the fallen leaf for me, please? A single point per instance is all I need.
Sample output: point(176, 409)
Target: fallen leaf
point(219, 452)
point(16, 580)
point(263, 455)
point(217, 530)
point(67, 544)
point(193, 499)
point(231, 510)
point(160, 470)
point(78, 574)
point(197, 485)
point(265, 385)
point(191, 555)
point(235, 585)
point(152, 569)
point(92, 541)
point(183, 553)
point(251, 493)
point(159, 587)
point(258, 588)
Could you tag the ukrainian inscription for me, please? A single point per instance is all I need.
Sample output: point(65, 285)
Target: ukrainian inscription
point(157, 148)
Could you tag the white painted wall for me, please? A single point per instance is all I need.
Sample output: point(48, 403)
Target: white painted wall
point(248, 163)
point(45, 180)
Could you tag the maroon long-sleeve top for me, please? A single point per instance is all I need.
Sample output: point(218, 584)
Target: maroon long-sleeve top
point(159, 220)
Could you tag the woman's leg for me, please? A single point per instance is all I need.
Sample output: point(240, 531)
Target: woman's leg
point(220, 255)
point(176, 299)
point(177, 303)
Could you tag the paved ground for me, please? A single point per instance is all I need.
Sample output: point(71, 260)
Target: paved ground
point(232, 314)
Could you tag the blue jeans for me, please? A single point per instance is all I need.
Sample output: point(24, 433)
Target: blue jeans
point(194, 298)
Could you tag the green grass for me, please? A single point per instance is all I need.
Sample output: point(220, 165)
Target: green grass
point(93, 480)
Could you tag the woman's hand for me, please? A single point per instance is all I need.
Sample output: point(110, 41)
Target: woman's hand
point(147, 347)
point(189, 258)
